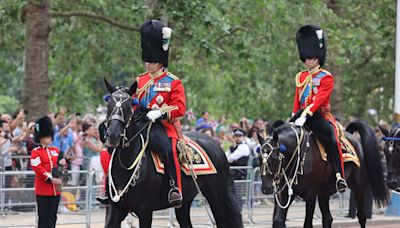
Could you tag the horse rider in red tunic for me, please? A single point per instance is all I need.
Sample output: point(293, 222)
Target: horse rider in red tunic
point(314, 87)
point(163, 93)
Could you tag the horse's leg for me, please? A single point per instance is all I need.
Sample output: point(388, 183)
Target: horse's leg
point(310, 207)
point(279, 217)
point(217, 205)
point(323, 201)
point(115, 217)
point(183, 215)
point(145, 218)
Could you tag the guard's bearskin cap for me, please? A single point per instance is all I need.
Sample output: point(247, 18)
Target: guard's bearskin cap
point(43, 128)
point(311, 43)
point(155, 37)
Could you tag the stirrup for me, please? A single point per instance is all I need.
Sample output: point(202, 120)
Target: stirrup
point(341, 185)
point(177, 202)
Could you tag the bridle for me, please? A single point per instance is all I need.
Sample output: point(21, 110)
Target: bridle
point(281, 173)
point(265, 156)
point(119, 97)
point(392, 138)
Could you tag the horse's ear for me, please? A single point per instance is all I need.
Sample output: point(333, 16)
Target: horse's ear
point(261, 139)
point(275, 135)
point(109, 86)
point(384, 130)
point(132, 89)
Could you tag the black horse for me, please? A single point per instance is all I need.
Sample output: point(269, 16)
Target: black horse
point(392, 153)
point(139, 188)
point(291, 165)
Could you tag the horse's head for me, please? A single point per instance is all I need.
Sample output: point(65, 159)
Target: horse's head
point(119, 112)
point(392, 153)
point(273, 152)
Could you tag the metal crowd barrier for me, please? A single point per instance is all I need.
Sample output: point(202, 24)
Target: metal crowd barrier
point(18, 203)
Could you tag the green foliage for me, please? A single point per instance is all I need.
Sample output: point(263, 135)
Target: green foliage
point(237, 57)
point(8, 104)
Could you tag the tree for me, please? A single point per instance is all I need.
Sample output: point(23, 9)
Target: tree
point(36, 65)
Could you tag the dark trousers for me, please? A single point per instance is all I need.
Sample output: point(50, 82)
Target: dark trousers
point(324, 131)
point(47, 210)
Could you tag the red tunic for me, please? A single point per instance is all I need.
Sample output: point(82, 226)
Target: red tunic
point(313, 92)
point(163, 91)
point(105, 158)
point(43, 160)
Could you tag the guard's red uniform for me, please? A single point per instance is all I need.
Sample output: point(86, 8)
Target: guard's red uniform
point(164, 91)
point(43, 160)
point(313, 93)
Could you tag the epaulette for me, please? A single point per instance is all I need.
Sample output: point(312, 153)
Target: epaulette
point(171, 75)
point(326, 72)
point(298, 83)
point(140, 75)
point(36, 148)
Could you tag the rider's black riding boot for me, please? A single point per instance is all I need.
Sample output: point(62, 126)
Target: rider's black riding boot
point(103, 200)
point(174, 195)
point(341, 183)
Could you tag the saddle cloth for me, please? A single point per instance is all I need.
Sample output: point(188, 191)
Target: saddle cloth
point(202, 164)
point(348, 150)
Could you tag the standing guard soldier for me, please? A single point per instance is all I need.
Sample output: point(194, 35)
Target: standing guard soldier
point(45, 160)
point(162, 93)
point(314, 87)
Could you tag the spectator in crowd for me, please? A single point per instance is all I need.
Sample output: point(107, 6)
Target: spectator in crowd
point(252, 138)
point(64, 140)
point(30, 145)
point(77, 158)
point(222, 138)
point(239, 156)
point(44, 160)
point(244, 124)
point(6, 149)
point(91, 150)
point(208, 131)
point(203, 121)
point(261, 125)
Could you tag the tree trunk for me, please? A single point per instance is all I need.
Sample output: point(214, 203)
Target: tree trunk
point(35, 97)
point(337, 95)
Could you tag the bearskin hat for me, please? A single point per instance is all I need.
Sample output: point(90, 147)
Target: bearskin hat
point(155, 37)
point(311, 43)
point(43, 128)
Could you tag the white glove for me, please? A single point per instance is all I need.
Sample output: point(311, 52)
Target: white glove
point(153, 115)
point(300, 121)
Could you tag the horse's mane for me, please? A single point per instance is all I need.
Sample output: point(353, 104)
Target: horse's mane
point(140, 114)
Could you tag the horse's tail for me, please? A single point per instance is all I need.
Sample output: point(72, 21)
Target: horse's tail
point(232, 208)
point(372, 159)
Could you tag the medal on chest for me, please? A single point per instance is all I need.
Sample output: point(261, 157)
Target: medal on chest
point(162, 86)
point(315, 90)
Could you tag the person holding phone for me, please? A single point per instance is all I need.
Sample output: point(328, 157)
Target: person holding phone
point(44, 160)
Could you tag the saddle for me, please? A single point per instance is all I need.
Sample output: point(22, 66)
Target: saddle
point(349, 153)
point(202, 164)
